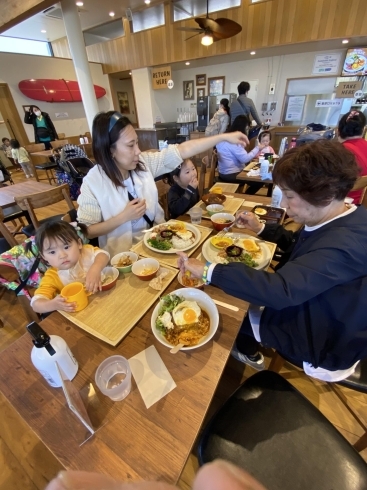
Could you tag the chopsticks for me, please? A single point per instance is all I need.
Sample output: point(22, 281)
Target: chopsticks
point(225, 305)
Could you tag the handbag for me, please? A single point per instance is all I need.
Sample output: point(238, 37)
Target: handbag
point(44, 133)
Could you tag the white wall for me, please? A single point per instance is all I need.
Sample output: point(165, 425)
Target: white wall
point(123, 86)
point(17, 67)
point(275, 69)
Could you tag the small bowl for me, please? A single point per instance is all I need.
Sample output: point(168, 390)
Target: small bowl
point(214, 208)
point(115, 259)
point(219, 216)
point(114, 274)
point(139, 266)
point(221, 243)
point(199, 285)
point(213, 198)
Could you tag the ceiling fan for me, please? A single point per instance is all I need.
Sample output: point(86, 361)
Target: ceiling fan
point(213, 29)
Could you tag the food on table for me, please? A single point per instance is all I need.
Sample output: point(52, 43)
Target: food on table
point(260, 211)
point(221, 242)
point(235, 253)
point(190, 282)
point(213, 198)
point(182, 321)
point(147, 271)
point(157, 282)
point(124, 261)
point(171, 236)
point(222, 221)
point(250, 245)
point(217, 190)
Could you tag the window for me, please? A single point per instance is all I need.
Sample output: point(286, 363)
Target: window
point(184, 9)
point(24, 46)
point(104, 32)
point(147, 18)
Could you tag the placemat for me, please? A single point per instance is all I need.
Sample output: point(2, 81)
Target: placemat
point(110, 315)
point(225, 187)
point(170, 259)
point(231, 206)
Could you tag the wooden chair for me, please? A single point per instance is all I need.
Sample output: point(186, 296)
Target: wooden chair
point(61, 136)
point(31, 202)
point(202, 173)
point(361, 183)
point(163, 188)
point(213, 168)
point(87, 147)
point(37, 163)
point(58, 143)
point(7, 240)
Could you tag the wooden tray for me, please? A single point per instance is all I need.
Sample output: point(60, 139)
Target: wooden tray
point(231, 206)
point(170, 259)
point(226, 187)
point(110, 315)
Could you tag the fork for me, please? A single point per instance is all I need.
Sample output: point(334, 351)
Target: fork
point(225, 230)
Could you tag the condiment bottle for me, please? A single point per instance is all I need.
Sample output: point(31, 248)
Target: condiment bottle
point(49, 349)
point(264, 167)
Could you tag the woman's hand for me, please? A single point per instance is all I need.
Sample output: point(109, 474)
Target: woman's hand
point(196, 267)
point(261, 146)
point(236, 138)
point(249, 220)
point(93, 281)
point(135, 209)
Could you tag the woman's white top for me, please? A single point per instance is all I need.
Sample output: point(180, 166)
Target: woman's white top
point(100, 200)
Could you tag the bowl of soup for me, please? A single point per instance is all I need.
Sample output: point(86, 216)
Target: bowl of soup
point(145, 269)
point(222, 220)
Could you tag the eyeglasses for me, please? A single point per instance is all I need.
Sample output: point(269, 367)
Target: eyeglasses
point(113, 120)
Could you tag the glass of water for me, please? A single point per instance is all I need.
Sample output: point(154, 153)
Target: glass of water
point(113, 377)
point(196, 214)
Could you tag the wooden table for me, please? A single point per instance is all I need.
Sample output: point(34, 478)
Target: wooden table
point(8, 193)
point(43, 153)
point(136, 443)
point(243, 177)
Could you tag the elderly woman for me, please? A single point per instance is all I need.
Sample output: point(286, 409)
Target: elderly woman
point(119, 198)
point(350, 132)
point(313, 308)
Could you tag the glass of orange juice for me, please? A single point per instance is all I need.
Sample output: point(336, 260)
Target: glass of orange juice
point(217, 190)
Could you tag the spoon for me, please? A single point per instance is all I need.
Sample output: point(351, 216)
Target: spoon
point(176, 348)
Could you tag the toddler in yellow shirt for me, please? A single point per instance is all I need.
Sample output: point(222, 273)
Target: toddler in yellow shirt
point(61, 247)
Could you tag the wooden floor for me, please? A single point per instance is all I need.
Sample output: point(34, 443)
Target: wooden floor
point(21, 452)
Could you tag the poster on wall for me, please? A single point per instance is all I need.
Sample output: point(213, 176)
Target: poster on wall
point(326, 64)
point(355, 62)
point(329, 103)
point(123, 100)
point(295, 108)
point(160, 77)
point(346, 90)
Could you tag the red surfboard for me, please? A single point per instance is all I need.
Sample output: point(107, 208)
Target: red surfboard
point(49, 90)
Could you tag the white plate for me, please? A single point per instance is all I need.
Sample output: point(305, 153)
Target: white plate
point(210, 253)
point(204, 301)
point(174, 250)
point(355, 70)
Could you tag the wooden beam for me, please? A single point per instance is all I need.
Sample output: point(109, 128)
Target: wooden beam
point(14, 12)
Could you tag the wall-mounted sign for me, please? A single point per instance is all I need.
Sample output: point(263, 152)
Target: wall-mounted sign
point(347, 89)
point(61, 114)
point(170, 84)
point(326, 64)
point(326, 103)
point(295, 108)
point(161, 77)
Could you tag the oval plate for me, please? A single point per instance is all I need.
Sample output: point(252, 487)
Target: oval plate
point(210, 253)
point(174, 250)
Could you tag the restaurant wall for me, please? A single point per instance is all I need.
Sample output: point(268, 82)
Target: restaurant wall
point(269, 70)
point(17, 67)
point(123, 86)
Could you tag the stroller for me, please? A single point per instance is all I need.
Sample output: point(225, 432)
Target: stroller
point(5, 175)
point(313, 132)
point(73, 166)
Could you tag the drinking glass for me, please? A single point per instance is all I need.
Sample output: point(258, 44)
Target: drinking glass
point(196, 214)
point(113, 377)
point(239, 221)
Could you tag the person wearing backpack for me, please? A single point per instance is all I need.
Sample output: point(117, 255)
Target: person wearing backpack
point(244, 105)
point(219, 122)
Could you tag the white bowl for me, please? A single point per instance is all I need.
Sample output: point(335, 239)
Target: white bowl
point(205, 302)
point(115, 259)
point(214, 208)
point(139, 266)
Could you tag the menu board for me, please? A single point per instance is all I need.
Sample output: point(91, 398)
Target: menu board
point(355, 62)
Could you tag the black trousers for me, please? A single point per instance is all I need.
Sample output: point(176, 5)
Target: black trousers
point(245, 341)
point(231, 178)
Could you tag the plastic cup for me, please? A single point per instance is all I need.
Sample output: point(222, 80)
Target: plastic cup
point(196, 214)
point(113, 377)
point(239, 221)
point(75, 293)
point(217, 190)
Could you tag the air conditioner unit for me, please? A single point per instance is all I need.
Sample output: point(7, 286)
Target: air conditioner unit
point(53, 12)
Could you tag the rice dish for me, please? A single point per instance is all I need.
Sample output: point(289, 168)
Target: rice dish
point(180, 242)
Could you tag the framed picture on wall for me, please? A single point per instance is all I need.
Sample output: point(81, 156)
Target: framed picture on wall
point(188, 90)
point(123, 101)
point(216, 85)
point(200, 79)
point(200, 92)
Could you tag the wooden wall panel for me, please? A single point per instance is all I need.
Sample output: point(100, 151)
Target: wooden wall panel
point(272, 23)
point(15, 11)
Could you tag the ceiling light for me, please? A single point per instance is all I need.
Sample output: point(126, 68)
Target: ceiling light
point(147, 2)
point(187, 63)
point(32, 80)
point(79, 4)
point(43, 31)
point(345, 41)
point(207, 40)
point(129, 72)
point(253, 52)
point(112, 14)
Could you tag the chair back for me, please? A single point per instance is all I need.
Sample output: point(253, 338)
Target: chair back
point(203, 169)
point(87, 147)
point(38, 200)
point(78, 167)
point(35, 147)
point(58, 143)
point(163, 188)
point(361, 183)
point(213, 168)
point(7, 241)
point(61, 136)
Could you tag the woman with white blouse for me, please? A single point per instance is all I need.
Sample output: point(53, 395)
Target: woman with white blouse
point(119, 198)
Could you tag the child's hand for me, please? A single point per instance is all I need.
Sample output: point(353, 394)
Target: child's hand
point(93, 281)
point(194, 182)
point(261, 146)
point(59, 303)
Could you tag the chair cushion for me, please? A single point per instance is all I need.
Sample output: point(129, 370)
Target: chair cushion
point(46, 166)
point(358, 380)
point(29, 229)
point(13, 212)
point(269, 429)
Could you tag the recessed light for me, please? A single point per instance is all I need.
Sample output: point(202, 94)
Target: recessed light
point(147, 2)
point(43, 31)
point(187, 63)
point(79, 4)
point(129, 72)
point(253, 52)
point(112, 14)
point(32, 80)
point(345, 41)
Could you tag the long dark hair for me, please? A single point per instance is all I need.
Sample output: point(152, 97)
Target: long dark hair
point(104, 139)
point(241, 123)
point(225, 104)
